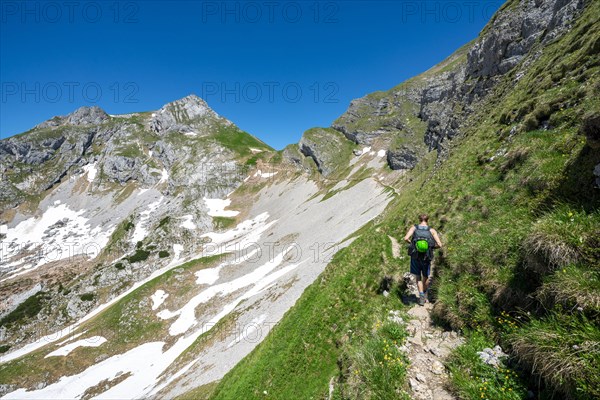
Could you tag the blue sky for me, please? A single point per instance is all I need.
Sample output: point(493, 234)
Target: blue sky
point(275, 68)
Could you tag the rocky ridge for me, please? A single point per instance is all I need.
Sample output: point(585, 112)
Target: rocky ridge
point(423, 113)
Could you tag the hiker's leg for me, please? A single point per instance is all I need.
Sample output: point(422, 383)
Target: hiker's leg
point(426, 274)
point(419, 283)
point(415, 270)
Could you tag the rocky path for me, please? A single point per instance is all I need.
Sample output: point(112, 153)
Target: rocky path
point(427, 346)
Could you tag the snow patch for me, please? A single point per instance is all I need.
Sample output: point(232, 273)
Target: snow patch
point(140, 231)
point(216, 207)
point(63, 232)
point(261, 174)
point(94, 341)
point(207, 276)
point(70, 338)
point(253, 150)
point(192, 134)
point(187, 314)
point(91, 171)
point(188, 223)
point(381, 153)
point(164, 176)
point(158, 298)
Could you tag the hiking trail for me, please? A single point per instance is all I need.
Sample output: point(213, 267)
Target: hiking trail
point(427, 346)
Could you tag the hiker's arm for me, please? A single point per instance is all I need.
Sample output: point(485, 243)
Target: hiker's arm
point(409, 234)
point(436, 238)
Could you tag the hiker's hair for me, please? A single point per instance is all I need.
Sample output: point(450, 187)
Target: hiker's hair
point(423, 217)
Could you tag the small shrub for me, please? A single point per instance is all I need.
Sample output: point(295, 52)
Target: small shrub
point(163, 222)
point(119, 266)
point(87, 297)
point(129, 226)
point(139, 244)
point(4, 348)
point(139, 255)
point(530, 123)
point(591, 129)
point(163, 254)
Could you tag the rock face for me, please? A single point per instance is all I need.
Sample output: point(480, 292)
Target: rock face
point(403, 158)
point(61, 146)
point(190, 114)
point(326, 147)
point(88, 175)
point(82, 116)
point(428, 110)
point(513, 34)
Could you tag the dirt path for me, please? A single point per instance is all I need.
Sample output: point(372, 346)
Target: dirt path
point(395, 247)
point(427, 346)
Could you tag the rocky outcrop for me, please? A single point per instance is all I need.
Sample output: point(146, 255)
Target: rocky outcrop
point(403, 158)
point(446, 94)
point(325, 147)
point(515, 30)
point(120, 168)
point(190, 114)
point(82, 116)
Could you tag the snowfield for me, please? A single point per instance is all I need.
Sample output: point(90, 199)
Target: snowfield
point(94, 341)
point(216, 207)
point(59, 233)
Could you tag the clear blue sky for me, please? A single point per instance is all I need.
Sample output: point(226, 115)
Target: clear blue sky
point(275, 68)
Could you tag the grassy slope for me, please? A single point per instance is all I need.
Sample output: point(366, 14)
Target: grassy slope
point(521, 223)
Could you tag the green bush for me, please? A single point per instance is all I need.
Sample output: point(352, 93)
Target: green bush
point(4, 348)
point(119, 266)
point(27, 309)
point(87, 297)
point(139, 255)
point(163, 254)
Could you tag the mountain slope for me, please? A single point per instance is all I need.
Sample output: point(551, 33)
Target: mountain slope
point(182, 235)
point(514, 195)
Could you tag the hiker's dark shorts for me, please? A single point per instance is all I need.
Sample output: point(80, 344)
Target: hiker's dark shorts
point(418, 267)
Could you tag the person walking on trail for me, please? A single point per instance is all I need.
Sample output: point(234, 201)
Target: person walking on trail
point(422, 240)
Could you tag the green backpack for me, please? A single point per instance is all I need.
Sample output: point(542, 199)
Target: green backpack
point(422, 240)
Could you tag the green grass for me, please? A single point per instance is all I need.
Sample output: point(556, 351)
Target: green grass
point(334, 318)
point(473, 379)
point(223, 222)
point(239, 141)
point(564, 348)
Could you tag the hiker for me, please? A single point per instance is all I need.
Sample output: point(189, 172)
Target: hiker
point(422, 240)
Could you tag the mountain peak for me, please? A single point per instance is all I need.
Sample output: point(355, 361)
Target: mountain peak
point(85, 115)
point(183, 114)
